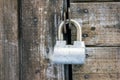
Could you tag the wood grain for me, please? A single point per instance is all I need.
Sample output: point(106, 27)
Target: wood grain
point(101, 62)
point(100, 27)
point(37, 29)
point(9, 57)
point(94, 1)
point(1, 54)
point(95, 76)
point(99, 21)
point(38, 21)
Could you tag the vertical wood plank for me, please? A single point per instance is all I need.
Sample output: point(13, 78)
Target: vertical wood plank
point(38, 20)
point(9, 40)
point(1, 54)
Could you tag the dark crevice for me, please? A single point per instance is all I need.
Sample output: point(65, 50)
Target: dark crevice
point(67, 37)
point(20, 37)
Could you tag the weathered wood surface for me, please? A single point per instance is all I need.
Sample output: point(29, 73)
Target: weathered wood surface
point(100, 22)
point(102, 63)
point(37, 29)
point(1, 54)
point(95, 76)
point(37, 38)
point(9, 58)
point(95, 0)
point(38, 24)
point(100, 27)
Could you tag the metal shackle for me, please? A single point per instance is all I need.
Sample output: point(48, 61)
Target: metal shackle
point(76, 24)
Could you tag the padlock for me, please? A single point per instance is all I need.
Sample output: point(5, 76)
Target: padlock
point(69, 54)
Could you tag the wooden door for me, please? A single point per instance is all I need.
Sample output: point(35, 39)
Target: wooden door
point(28, 32)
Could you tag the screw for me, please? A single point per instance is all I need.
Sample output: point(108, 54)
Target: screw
point(35, 20)
point(93, 28)
point(84, 35)
point(87, 55)
point(86, 76)
point(85, 10)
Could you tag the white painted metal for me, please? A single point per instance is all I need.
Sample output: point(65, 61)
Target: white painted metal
point(78, 27)
point(69, 54)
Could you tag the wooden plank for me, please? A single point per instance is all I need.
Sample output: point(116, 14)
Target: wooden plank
point(97, 76)
point(98, 66)
point(100, 26)
point(103, 53)
point(1, 54)
point(100, 62)
point(38, 20)
point(95, 1)
point(100, 22)
point(9, 63)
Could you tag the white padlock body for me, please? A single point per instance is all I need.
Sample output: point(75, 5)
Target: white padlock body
point(68, 54)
